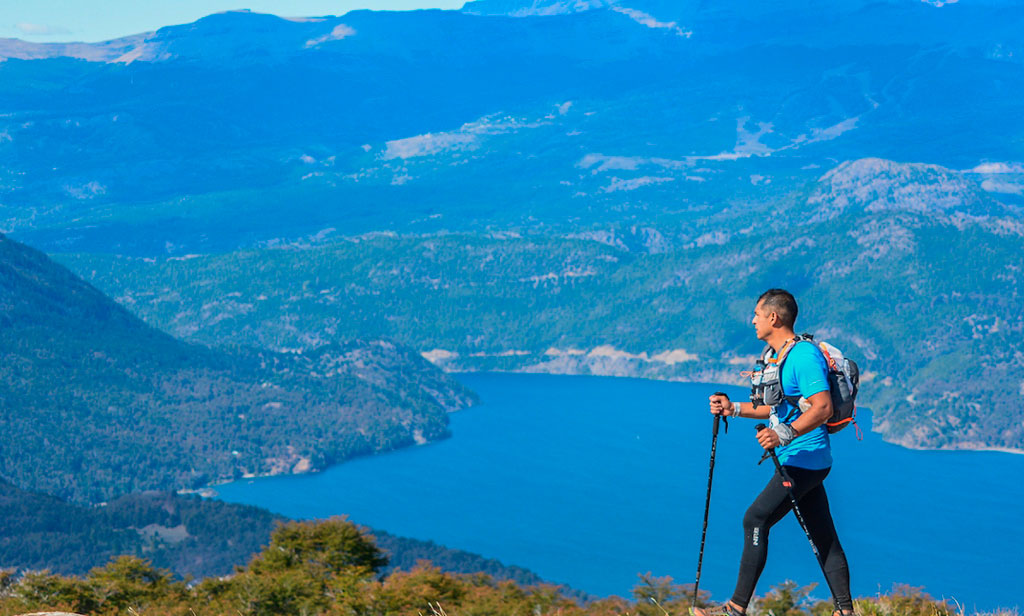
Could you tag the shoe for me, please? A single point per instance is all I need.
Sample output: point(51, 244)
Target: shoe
point(725, 609)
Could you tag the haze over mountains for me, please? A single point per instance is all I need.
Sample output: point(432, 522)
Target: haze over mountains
point(643, 163)
point(432, 120)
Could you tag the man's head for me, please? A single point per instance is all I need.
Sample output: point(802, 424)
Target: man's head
point(775, 313)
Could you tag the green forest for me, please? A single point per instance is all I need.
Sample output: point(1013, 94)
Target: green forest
point(188, 536)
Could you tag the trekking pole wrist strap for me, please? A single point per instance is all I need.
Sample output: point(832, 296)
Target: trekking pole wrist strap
point(786, 434)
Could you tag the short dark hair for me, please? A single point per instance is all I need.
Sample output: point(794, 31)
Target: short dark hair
point(782, 303)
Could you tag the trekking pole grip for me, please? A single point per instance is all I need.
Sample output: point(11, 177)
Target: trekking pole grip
point(767, 452)
point(771, 451)
point(723, 417)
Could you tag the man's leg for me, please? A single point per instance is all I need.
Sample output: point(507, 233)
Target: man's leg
point(768, 508)
point(814, 507)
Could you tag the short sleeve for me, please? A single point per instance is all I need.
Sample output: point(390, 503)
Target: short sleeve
point(807, 372)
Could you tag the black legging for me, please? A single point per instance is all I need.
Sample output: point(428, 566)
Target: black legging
point(768, 508)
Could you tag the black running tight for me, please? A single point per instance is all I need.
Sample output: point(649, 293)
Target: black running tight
point(769, 507)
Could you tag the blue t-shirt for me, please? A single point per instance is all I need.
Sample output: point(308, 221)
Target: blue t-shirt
point(804, 374)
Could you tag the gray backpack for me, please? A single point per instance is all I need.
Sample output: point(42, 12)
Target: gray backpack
point(843, 382)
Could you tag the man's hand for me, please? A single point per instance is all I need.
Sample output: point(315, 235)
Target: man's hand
point(768, 439)
point(721, 405)
point(779, 436)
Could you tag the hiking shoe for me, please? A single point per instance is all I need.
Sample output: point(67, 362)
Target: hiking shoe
point(724, 609)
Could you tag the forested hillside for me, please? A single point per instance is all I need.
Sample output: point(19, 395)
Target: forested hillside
point(184, 534)
point(96, 404)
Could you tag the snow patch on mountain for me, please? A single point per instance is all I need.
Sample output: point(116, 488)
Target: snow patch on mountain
point(825, 134)
point(467, 137)
point(339, 32)
point(648, 20)
point(747, 143)
point(598, 163)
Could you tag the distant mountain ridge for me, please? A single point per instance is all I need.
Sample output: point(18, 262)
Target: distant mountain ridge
point(95, 403)
point(518, 8)
point(459, 120)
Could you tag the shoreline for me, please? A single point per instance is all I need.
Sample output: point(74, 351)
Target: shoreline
point(713, 384)
point(209, 490)
point(1009, 450)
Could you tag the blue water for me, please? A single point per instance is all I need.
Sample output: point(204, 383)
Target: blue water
point(589, 481)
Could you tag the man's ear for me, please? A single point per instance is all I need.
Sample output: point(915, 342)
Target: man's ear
point(773, 318)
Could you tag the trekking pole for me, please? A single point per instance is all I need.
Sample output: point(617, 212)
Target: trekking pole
point(707, 501)
point(788, 484)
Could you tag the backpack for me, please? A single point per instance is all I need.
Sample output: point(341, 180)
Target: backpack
point(843, 382)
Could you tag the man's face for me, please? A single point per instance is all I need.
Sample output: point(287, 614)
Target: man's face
point(762, 322)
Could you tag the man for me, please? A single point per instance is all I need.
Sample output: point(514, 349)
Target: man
point(801, 441)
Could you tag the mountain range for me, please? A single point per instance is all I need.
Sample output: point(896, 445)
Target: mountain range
point(243, 127)
point(572, 186)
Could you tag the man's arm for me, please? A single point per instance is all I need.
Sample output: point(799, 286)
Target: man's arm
point(819, 412)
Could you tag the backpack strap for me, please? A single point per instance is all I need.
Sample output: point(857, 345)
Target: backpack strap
point(787, 347)
point(784, 353)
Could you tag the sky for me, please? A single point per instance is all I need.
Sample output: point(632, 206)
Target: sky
point(100, 20)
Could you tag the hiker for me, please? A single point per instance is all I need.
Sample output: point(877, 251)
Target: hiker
point(798, 433)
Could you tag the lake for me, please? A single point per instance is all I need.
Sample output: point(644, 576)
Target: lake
point(589, 481)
